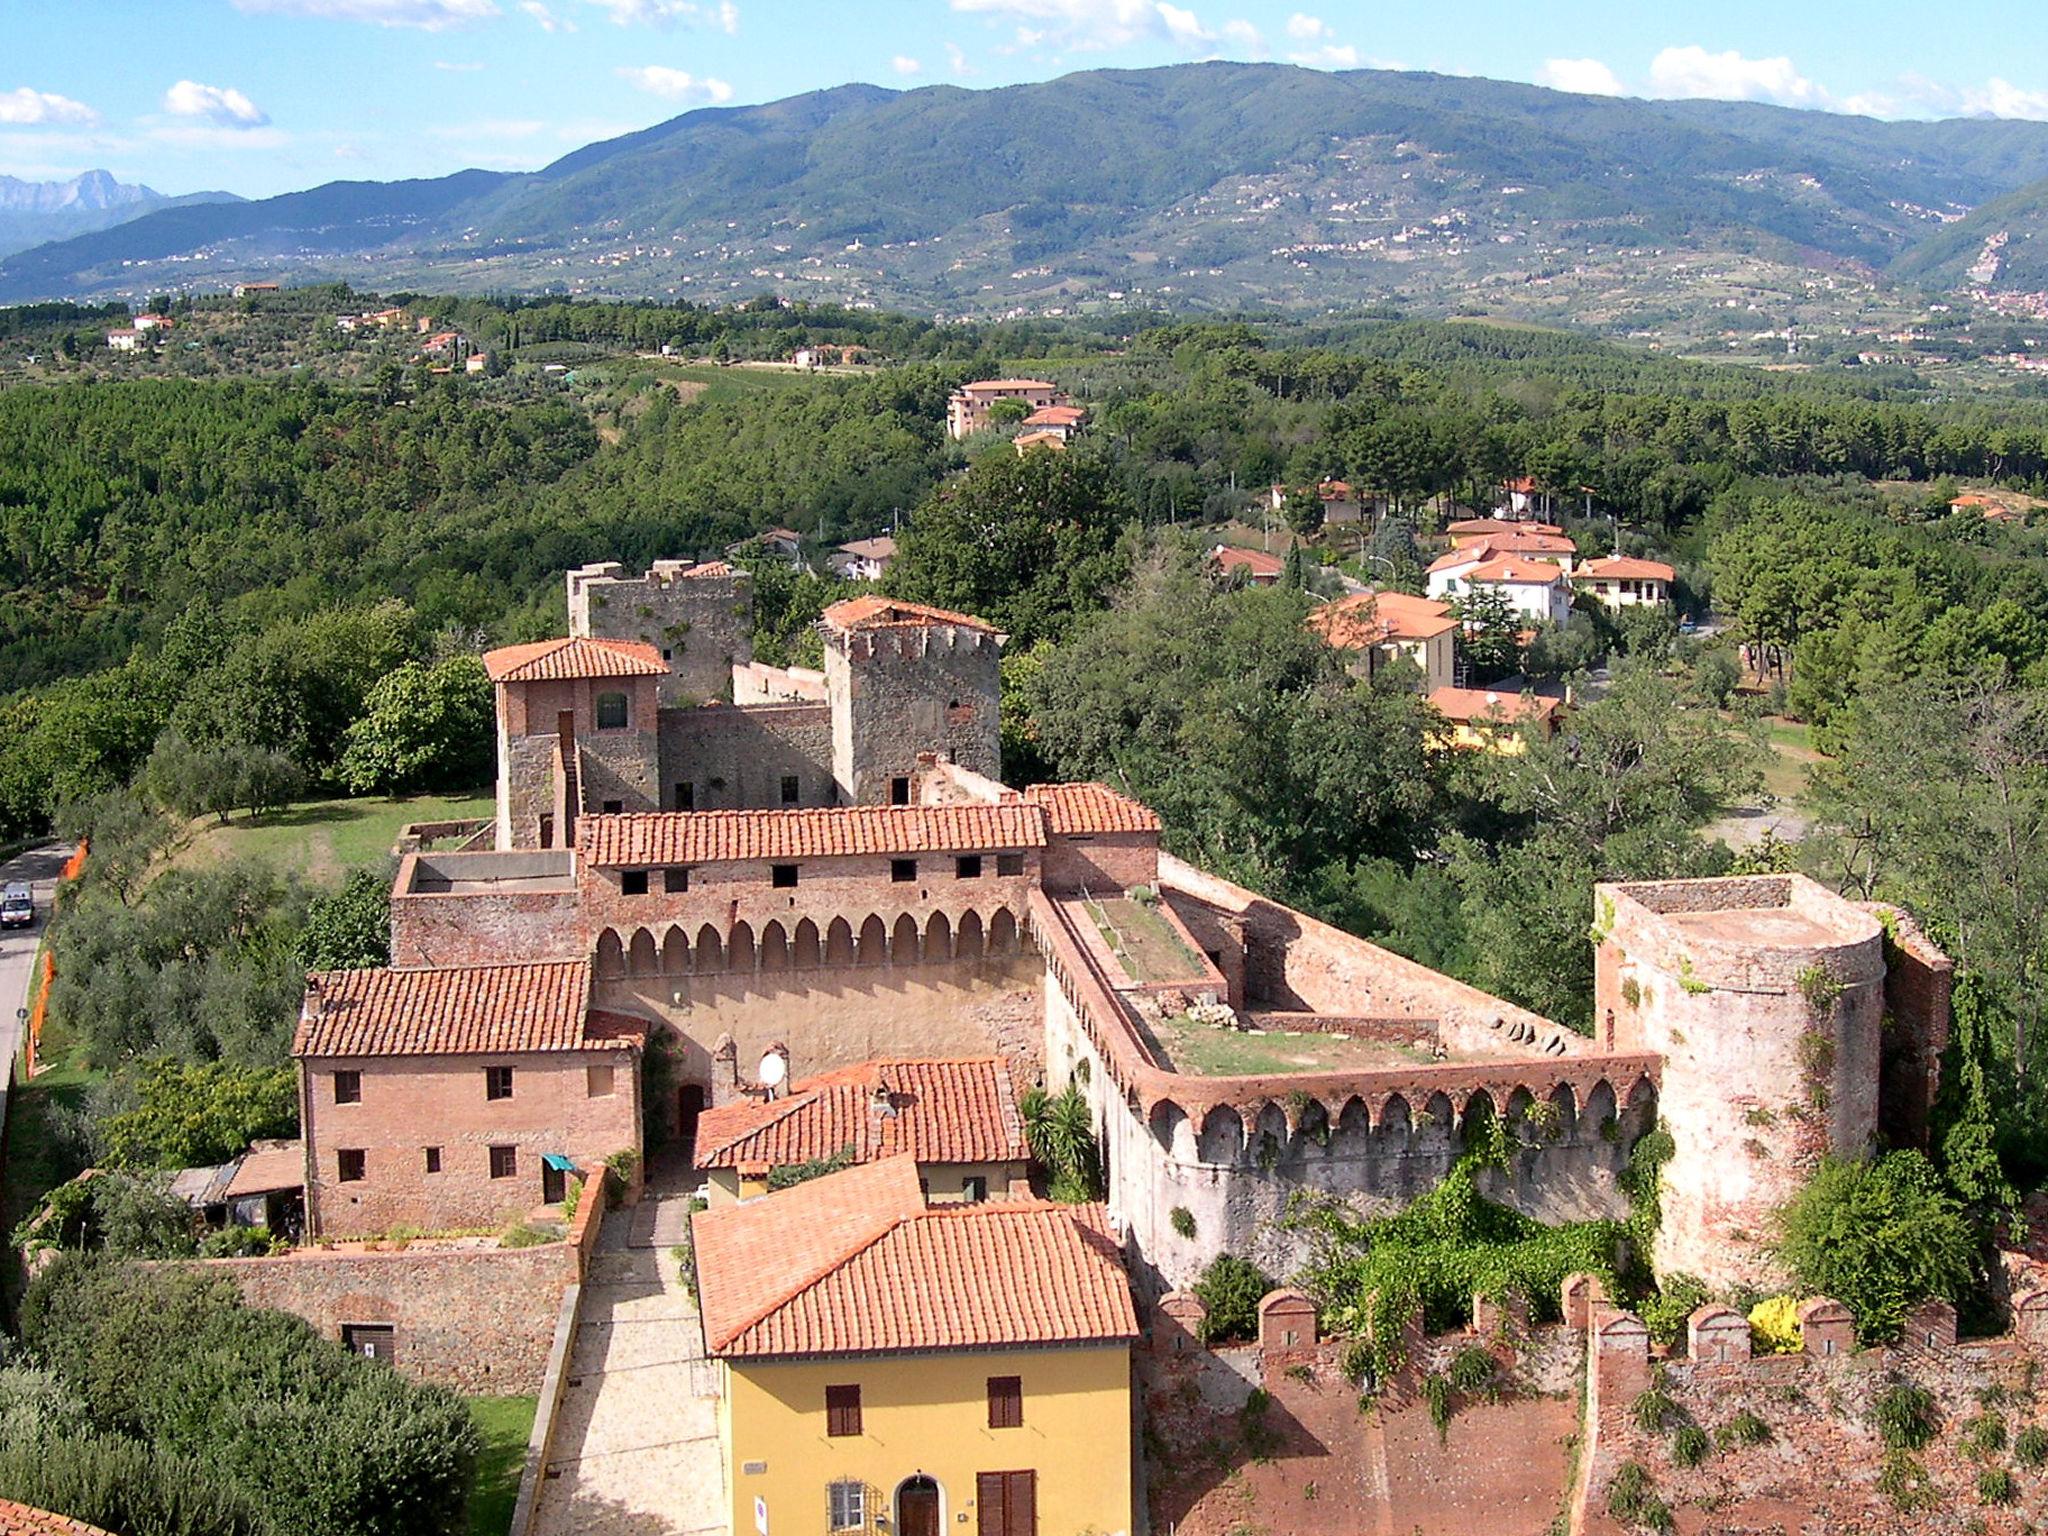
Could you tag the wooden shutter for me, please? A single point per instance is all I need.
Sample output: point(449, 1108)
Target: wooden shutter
point(842, 1410)
point(1020, 1504)
point(988, 1504)
point(1005, 1402)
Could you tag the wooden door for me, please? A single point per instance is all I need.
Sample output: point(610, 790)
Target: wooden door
point(917, 1508)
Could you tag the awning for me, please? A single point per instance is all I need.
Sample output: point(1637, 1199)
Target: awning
point(558, 1162)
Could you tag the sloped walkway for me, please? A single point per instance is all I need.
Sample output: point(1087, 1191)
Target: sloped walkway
point(636, 1442)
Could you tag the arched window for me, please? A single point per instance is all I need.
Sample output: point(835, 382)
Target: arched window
point(611, 711)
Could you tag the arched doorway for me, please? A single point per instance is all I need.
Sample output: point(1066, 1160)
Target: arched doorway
point(917, 1507)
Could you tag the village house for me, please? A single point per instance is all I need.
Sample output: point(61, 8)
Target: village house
point(1253, 567)
point(1060, 421)
point(1484, 720)
point(967, 411)
point(1024, 442)
point(249, 290)
point(863, 559)
point(1538, 590)
point(125, 339)
point(1625, 582)
point(1341, 504)
point(1520, 497)
point(785, 544)
point(1374, 629)
point(957, 1119)
point(154, 322)
point(992, 1390)
point(1476, 530)
point(456, 1097)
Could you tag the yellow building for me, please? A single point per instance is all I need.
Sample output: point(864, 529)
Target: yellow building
point(1482, 720)
point(896, 1367)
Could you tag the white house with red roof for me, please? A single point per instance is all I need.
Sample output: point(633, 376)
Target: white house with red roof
point(1623, 581)
point(1254, 567)
point(1537, 589)
point(967, 410)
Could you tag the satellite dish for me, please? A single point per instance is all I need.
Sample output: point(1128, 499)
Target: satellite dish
point(773, 1069)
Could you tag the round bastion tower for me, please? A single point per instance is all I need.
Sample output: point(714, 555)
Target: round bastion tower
point(1765, 996)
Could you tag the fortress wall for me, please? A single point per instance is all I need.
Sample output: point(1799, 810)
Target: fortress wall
point(735, 757)
point(701, 624)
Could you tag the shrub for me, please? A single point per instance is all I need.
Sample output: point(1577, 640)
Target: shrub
point(1182, 1220)
point(164, 1113)
point(1472, 1370)
point(522, 1234)
point(1744, 1429)
point(788, 1175)
point(1689, 1447)
point(1904, 1416)
point(1436, 1389)
point(1984, 1436)
point(2030, 1446)
point(1061, 1130)
point(1260, 1438)
point(349, 928)
point(1231, 1288)
point(1878, 1237)
point(1906, 1483)
point(1995, 1485)
point(1676, 1299)
point(1774, 1326)
point(125, 1485)
point(238, 1243)
point(1652, 1410)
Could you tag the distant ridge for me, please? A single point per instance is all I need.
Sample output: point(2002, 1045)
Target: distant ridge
point(32, 212)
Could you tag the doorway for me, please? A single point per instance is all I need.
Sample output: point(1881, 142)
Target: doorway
point(689, 1105)
point(917, 1507)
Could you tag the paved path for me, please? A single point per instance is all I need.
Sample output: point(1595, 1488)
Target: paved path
point(636, 1440)
point(39, 866)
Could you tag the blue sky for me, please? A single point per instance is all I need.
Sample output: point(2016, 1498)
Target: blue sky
point(263, 96)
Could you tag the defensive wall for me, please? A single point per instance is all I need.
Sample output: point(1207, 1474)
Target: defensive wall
point(700, 617)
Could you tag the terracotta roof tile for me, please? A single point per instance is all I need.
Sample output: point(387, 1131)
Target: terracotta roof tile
point(940, 1112)
point(888, 613)
point(457, 1011)
point(1515, 570)
point(549, 661)
point(1056, 416)
point(1255, 561)
point(1078, 810)
point(714, 837)
point(1373, 618)
point(264, 1169)
point(20, 1520)
point(855, 1263)
point(997, 386)
point(1624, 568)
point(1471, 525)
point(1466, 704)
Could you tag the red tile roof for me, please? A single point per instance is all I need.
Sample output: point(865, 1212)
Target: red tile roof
point(1517, 571)
point(1523, 486)
point(888, 613)
point(940, 1112)
point(453, 1011)
point(1003, 386)
point(1255, 562)
point(1373, 618)
point(1051, 440)
point(882, 547)
point(715, 837)
point(1624, 568)
point(264, 1169)
point(1499, 525)
point(1522, 541)
point(1468, 704)
point(855, 1263)
point(1078, 810)
point(1470, 554)
point(20, 1520)
point(550, 661)
point(1056, 416)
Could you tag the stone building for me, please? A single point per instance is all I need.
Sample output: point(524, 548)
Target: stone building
point(699, 617)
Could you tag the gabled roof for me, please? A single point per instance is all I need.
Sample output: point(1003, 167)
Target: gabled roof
point(937, 1111)
point(715, 837)
point(1254, 562)
point(1500, 525)
point(1056, 416)
point(1468, 704)
point(856, 1263)
point(451, 1011)
point(1523, 541)
point(1470, 554)
point(21, 1520)
point(550, 661)
point(1624, 568)
point(882, 547)
point(266, 1168)
point(1001, 386)
point(1052, 440)
point(858, 613)
point(1078, 810)
point(1373, 618)
point(1514, 570)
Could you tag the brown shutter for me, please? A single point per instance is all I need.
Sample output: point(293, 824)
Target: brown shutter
point(1005, 1402)
point(988, 1504)
point(1020, 1514)
point(842, 1410)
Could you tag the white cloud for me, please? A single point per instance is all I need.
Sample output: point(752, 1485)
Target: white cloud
point(23, 105)
point(547, 19)
point(1585, 77)
point(1304, 28)
point(427, 15)
point(2000, 98)
point(904, 64)
point(1089, 25)
point(723, 17)
point(956, 62)
point(1330, 56)
point(221, 106)
point(1691, 71)
point(452, 68)
point(676, 84)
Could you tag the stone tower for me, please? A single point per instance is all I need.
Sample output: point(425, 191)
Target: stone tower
point(1764, 995)
point(699, 617)
point(903, 679)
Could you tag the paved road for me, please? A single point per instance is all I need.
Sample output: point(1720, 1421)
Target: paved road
point(39, 866)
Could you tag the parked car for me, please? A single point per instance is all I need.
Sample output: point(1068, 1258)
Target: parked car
point(17, 906)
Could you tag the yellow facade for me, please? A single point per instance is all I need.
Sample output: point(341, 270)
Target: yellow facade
point(927, 1414)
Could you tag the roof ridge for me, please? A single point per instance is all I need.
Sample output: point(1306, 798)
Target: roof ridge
point(785, 1108)
point(789, 1293)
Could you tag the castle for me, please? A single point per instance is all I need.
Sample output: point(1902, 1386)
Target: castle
point(705, 874)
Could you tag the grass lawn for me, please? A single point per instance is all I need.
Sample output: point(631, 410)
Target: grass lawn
point(1206, 1051)
point(506, 1423)
point(1144, 941)
point(321, 838)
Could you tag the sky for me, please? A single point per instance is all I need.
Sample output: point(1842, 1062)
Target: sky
point(264, 96)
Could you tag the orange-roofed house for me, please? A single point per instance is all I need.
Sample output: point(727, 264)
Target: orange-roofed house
point(1520, 496)
point(957, 1118)
point(1050, 441)
point(1376, 628)
point(1535, 588)
point(1061, 421)
point(967, 410)
point(1484, 720)
point(1254, 567)
point(1476, 530)
point(1625, 582)
point(457, 1097)
point(990, 1392)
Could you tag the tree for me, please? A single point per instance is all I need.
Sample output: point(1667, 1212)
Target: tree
point(1302, 508)
point(1879, 1237)
point(349, 929)
point(1489, 634)
point(165, 1113)
point(422, 728)
point(1061, 1131)
point(1231, 1289)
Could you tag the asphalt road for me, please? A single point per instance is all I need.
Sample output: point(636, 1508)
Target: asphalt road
point(39, 866)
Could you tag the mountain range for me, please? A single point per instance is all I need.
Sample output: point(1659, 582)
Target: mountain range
point(33, 212)
point(1214, 184)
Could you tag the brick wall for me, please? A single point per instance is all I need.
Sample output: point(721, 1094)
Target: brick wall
point(901, 692)
point(735, 757)
point(1103, 863)
point(702, 625)
point(1919, 986)
point(440, 921)
point(411, 1103)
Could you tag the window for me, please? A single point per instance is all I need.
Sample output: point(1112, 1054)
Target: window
point(348, 1087)
point(899, 791)
point(903, 871)
point(1008, 1502)
point(1010, 864)
point(974, 1190)
point(433, 1159)
point(633, 882)
point(686, 796)
point(967, 866)
point(782, 876)
point(598, 1083)
point(497, 1082)
point(675, 881)
point(792, 789)
point(613, 807)
point(504, 1162)
point(849, 1505)
point(1005, 1402)
point(348, 1165)
point(611, 711)
point(378, 1341)
point(842, 1410)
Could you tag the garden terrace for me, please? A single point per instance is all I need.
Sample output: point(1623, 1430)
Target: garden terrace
point(1146, 940)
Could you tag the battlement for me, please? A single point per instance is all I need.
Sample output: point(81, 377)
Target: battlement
point(698, 615)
